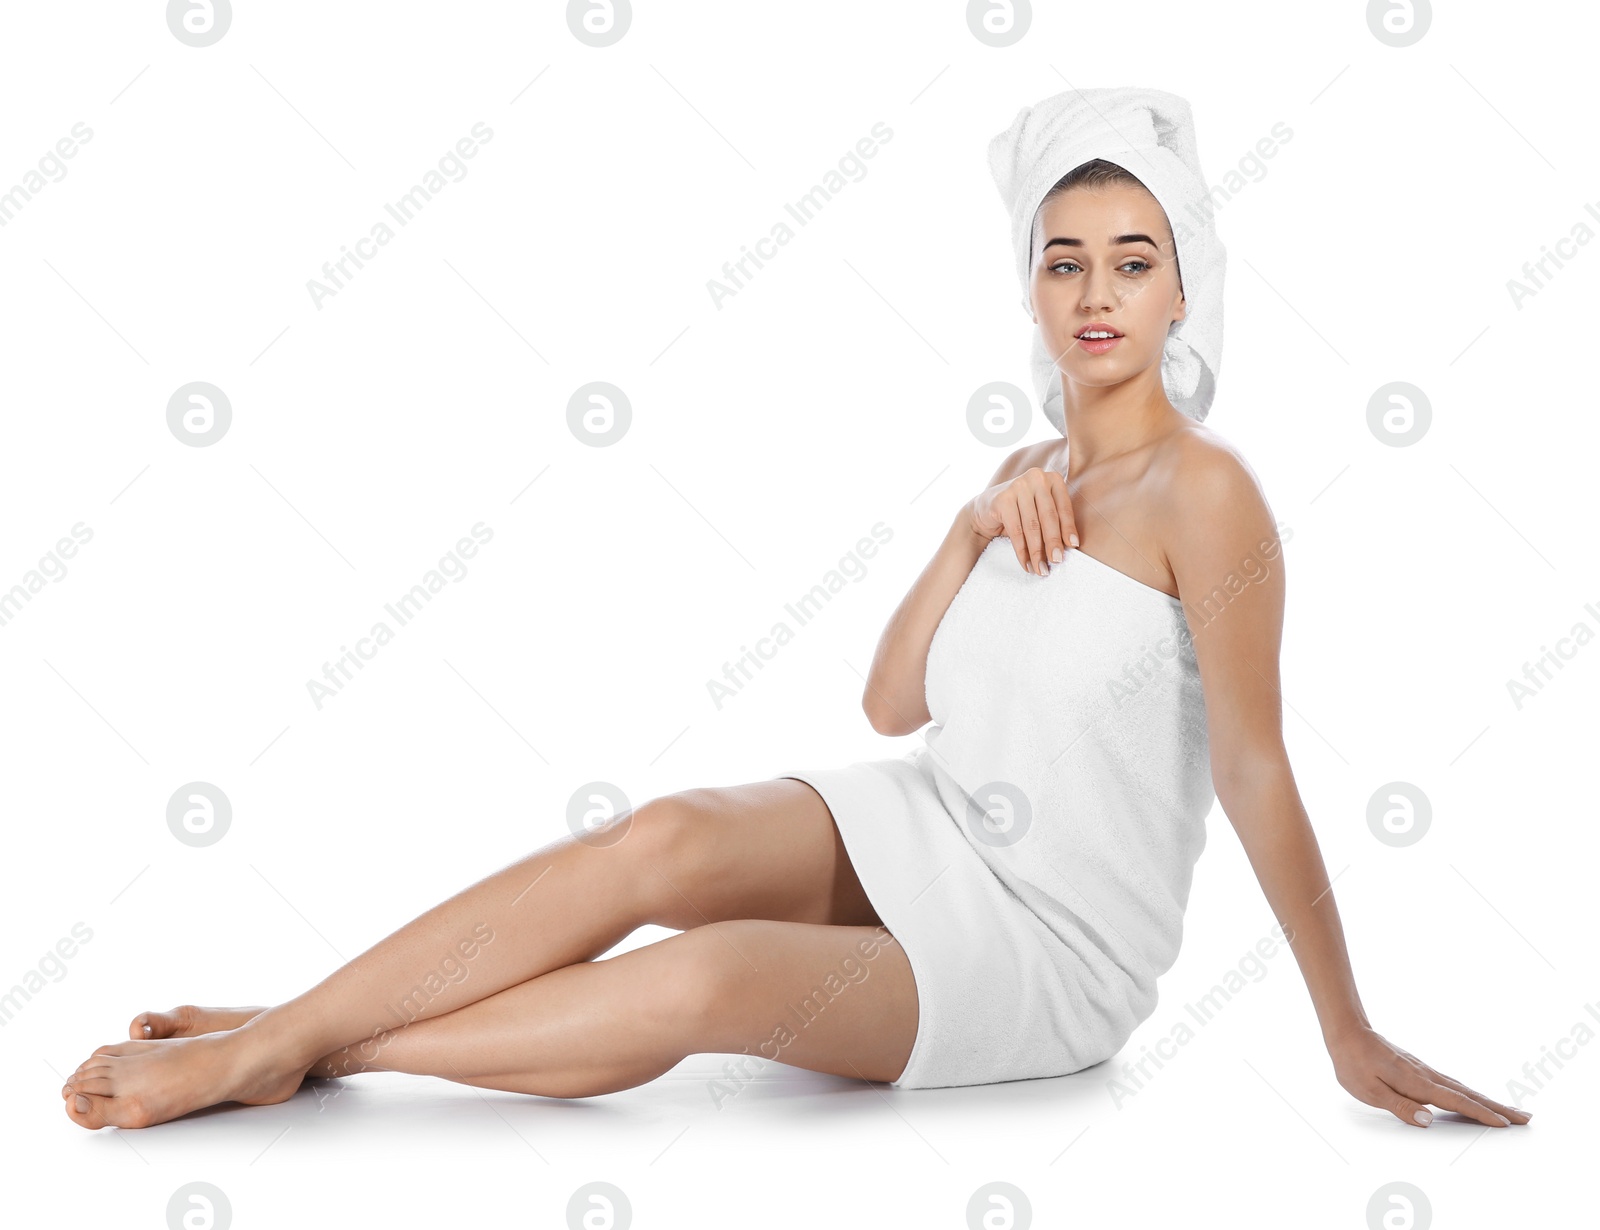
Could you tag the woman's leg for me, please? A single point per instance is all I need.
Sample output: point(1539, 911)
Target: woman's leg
point(767, 850)
point(764, 850)
point(830, 998)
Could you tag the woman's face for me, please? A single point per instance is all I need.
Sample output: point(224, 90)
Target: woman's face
point(1105, 256)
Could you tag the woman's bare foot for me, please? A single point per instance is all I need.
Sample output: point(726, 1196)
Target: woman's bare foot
point(141, 1083)
point(188, 1021)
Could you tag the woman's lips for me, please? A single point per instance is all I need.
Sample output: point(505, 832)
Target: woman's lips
point(1097, 345)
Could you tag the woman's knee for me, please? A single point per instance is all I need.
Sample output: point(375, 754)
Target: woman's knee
point(669, 851)
point(709, 980)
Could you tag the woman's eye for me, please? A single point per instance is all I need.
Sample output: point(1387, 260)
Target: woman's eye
point(1062, 266)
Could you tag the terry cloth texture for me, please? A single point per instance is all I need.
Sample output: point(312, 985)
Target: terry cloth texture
point(1033, 855)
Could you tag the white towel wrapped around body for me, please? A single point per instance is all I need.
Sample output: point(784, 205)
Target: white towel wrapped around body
point(1033, 856)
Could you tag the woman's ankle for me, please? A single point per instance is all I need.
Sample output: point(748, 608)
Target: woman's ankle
point(293, 1042)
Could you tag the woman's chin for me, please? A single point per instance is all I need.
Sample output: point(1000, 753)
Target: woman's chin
point(1101, 373)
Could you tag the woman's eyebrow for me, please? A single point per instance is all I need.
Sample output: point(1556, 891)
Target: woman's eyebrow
point(1115, 242)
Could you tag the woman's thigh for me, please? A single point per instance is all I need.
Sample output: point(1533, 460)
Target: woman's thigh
point(831, 999)
point(760, 850)
point(828, 998)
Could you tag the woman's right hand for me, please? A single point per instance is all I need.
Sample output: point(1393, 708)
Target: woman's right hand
point(1034, 512)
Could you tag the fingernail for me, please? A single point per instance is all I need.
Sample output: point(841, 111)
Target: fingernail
point(66, 1090)
point(1424, 1117)
point(1073, 539)
point(1056, 555)
point(1504, 1122)
point(82, 1103)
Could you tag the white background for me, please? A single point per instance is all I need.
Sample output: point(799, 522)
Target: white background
point(767, 437)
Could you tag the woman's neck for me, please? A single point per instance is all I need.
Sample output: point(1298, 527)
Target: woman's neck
point(1103, 424)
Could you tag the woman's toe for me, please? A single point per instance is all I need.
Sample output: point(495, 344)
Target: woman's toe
point(100, 1084)
point(87, 1111)
point(149, 1025)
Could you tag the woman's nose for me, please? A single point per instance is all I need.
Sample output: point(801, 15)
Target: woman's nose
point(1097, 295)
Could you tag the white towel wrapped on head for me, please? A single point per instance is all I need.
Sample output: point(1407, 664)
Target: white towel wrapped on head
point(1149, 133)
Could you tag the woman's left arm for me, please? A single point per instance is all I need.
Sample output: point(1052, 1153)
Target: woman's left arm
point(1224, 551)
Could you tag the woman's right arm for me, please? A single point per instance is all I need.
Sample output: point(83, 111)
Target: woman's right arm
point(1034, 510)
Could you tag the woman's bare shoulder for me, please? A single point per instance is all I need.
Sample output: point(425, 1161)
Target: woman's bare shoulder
point(1210, 502)
point(1040, 453)
point(1196, 468)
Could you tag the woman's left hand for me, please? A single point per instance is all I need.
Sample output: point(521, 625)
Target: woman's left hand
point(1375, 1071)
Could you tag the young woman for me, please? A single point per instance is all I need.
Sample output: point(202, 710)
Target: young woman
point(994, 906)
